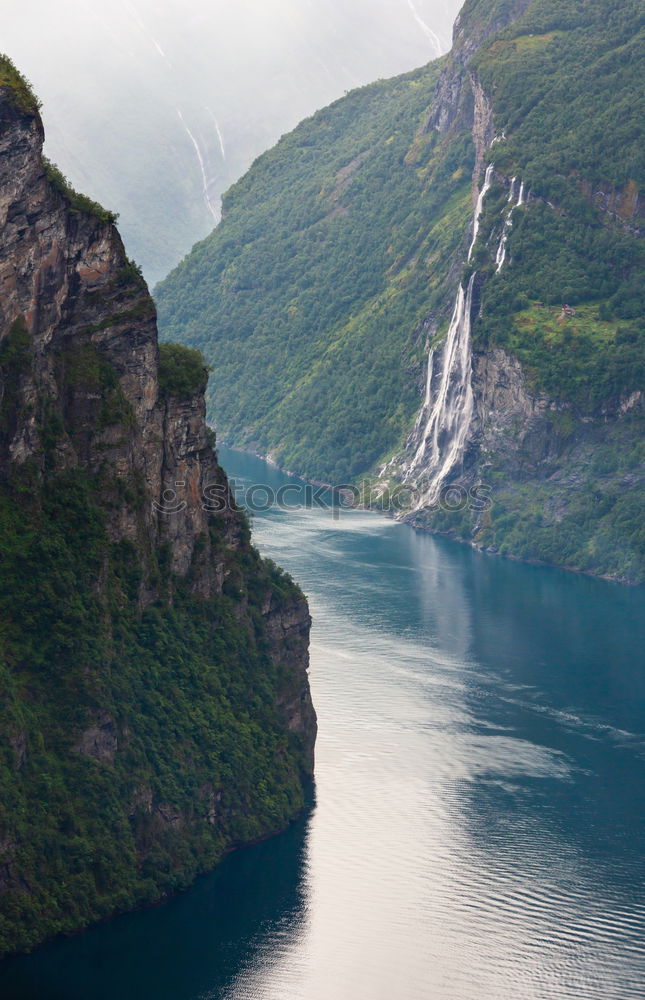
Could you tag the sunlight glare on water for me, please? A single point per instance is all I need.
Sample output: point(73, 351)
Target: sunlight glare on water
point(439, 862)
point(477, 832)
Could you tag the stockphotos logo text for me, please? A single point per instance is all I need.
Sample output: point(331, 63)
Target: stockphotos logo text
point(259, 498)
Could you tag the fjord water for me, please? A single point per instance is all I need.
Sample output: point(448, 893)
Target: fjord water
point(478, 826)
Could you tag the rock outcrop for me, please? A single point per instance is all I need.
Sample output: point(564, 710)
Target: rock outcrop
point(90, 320)
point(153, 669)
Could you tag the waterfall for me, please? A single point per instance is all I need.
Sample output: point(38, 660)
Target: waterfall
point(446, 420)
point(429, 377)
point(488, 180)
point(220, 137)
point(501, 250)
point(427, 30)
point(442, 426)
point(202, 166)
point(508, 223)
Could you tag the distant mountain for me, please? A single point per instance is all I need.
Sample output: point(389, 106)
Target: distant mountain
point(438, 281)
point(155, 109)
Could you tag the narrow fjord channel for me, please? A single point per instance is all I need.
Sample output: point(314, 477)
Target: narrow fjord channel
point(477, 832)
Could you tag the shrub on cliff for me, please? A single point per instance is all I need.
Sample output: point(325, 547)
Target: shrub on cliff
point(182, 370)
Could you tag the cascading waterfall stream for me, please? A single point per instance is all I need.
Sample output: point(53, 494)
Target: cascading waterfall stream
point(437, 43)
point(206, 182)
point(444, 421)
point(449, 418)
point(508, 225)
point(488, 180)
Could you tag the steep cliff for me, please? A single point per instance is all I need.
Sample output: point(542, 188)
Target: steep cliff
point(556, 368)
point(436, 282)
point(153, 669)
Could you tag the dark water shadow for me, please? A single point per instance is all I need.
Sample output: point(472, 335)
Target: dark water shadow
point(189, 948)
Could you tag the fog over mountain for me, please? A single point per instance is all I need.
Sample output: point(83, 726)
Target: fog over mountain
point(154, 107)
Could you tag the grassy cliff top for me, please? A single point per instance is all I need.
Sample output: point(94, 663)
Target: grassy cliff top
point(19, 88)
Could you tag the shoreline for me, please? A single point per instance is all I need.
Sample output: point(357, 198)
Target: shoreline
point(622, 581)
point(166, 897)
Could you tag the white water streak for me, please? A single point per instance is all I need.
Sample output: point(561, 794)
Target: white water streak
point(501, 250)
point(145, 31)
point(488, 180)
point(426, 29)
point(500, 259)
point(429, 376)
point(448, 421)
point(205, 182)
point(443, 424)
point(220, 137)
point(134, 14)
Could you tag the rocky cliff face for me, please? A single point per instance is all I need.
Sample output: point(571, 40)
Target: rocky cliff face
point(86, 313)
point(153, 670)
point(561, 469)
point(460, 98)
point(537, 455)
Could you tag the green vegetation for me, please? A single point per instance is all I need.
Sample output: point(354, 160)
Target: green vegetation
point(182, 371)
point(18, 86)
point(85, 370)
point(565, 80)
point(568, 97)
point(185, 688)
point(309, 299)
point(131, 274)
point(15, 352)
point(337, 260)
point(580, 359)
point(144, 713)
point(77, 202)
point(204, 760)
point(598, 527)
point(15, 360)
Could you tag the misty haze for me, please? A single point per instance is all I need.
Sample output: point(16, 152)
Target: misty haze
point(322, 561)
point(155, 109)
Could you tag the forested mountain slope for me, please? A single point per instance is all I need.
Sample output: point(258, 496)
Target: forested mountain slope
point(155, 706)
point(334, 276)
point(308, 296)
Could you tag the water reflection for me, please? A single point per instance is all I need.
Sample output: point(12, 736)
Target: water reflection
point(478, 832)
point(483, 701)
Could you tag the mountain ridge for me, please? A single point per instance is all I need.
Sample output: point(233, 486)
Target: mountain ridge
point(322, 318)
